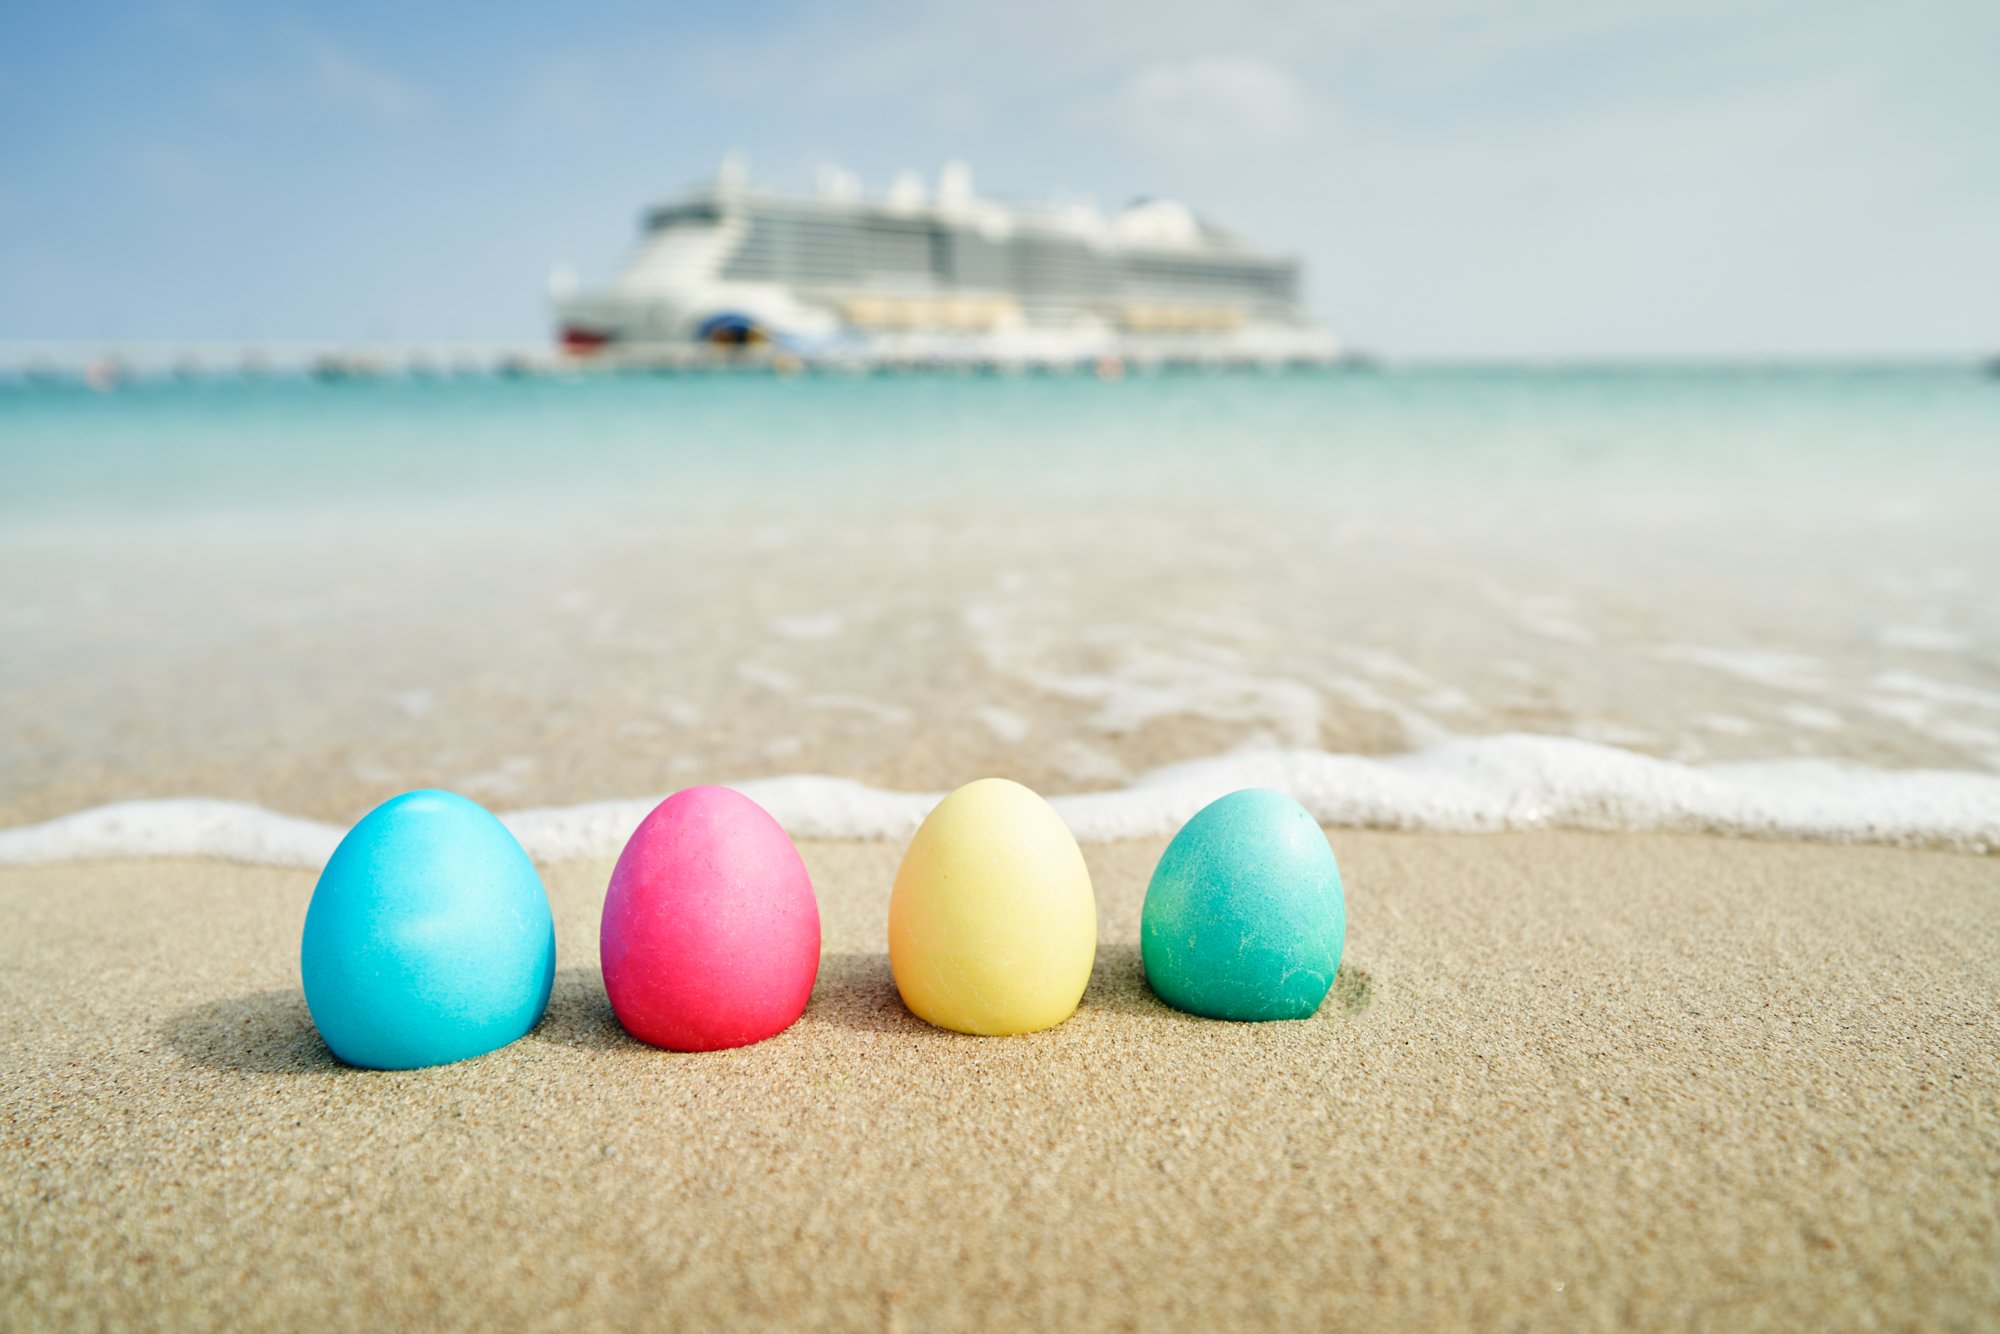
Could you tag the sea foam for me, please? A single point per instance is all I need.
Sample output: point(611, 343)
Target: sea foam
point(1471, 785)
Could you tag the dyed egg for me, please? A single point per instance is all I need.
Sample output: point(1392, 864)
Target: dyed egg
point(1244, 918)
point(429, 937)
point(710, 936)
point(992, 923)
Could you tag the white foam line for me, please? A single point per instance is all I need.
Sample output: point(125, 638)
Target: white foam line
point(1463, 786)
point(181, 827)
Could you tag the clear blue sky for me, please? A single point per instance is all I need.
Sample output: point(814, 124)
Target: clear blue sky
point(1663, 177)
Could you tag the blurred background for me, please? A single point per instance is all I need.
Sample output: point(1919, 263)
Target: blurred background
point(1463, 178)
point(562, 405)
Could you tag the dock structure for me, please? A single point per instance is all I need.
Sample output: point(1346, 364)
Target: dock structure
point(111, 366)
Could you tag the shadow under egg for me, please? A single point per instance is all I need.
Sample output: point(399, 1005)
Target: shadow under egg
point(580, 1015)
point(852, 991)
point(263, 1032)
point(271, 1032)
point(1353, 991)
point(858, 992)
point(1118, 986)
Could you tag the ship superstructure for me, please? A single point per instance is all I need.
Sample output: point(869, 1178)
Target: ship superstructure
point(917, 275)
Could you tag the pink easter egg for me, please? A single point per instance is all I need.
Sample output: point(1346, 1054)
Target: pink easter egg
point(710, 936)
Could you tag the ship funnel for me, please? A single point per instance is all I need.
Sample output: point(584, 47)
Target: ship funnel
point(734, 173)
point(837, 183)
point(954, 185)
point(906, 191)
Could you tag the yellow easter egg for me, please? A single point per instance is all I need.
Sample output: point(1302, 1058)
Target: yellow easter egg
point(992, 924)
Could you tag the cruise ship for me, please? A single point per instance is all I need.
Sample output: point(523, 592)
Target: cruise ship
point(732, 270)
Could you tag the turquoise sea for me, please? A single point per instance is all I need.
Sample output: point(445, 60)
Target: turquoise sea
point(167, 447)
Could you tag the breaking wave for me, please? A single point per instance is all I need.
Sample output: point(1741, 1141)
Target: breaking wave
point(1473, 785)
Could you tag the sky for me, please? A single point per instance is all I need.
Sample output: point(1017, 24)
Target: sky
point(1505, 179)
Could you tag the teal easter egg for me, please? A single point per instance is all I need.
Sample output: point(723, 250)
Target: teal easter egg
point(429, 937)
point(1244, 918)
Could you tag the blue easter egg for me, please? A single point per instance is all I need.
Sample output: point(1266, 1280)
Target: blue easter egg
point(1244, 918)
point(429, 938)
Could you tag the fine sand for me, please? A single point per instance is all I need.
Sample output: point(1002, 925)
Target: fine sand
point(1562, 1080)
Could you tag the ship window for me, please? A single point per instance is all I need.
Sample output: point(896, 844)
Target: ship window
point(683, 215)
point(1174, 276)
point(974, 261)
point(893, 248)
point(1058, 268)
point(794, 249)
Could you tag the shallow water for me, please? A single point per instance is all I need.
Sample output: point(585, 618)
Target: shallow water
point(546, 592)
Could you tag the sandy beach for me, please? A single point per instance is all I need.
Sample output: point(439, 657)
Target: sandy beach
point(1601, 1081)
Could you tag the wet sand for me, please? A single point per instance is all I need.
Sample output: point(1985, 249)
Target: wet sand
point(1564, 1079)
point(319, 666)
